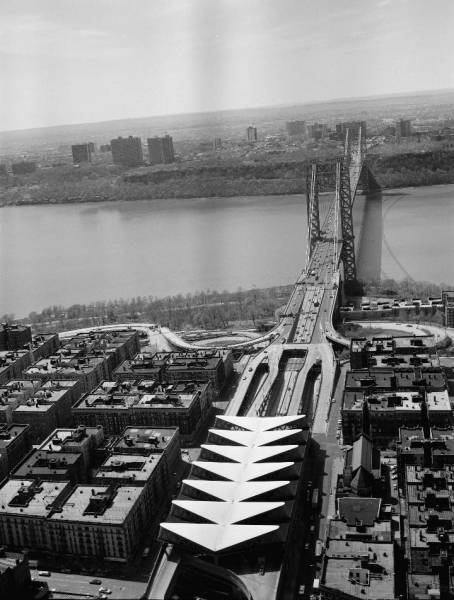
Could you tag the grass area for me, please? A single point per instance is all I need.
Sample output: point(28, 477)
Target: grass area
point(352, 330)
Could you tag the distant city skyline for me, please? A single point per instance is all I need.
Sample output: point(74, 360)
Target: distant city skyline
point(65, 62)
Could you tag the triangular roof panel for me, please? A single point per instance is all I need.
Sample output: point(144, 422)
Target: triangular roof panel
point(243, 454)
point(226, 513)
point(260, 423)
point(233, 491)
point(254, 438)
point(242, 472)
point(218, 537)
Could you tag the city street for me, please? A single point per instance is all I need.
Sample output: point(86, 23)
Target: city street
point(75, 585)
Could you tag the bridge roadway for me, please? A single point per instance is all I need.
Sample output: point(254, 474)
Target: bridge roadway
point(275, 381)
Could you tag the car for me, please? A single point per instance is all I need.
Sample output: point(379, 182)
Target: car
point(103, 590)
point(44, 573)
point(95, 581)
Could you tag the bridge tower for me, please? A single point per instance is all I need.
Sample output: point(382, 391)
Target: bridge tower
point(313, 212)
point(345, 204)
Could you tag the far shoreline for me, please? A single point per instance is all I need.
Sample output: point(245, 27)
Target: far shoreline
point(214, 197)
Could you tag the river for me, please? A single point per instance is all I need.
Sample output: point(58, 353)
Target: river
point(78, 253)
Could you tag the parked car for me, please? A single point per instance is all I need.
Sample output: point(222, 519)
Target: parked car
point(44, 573)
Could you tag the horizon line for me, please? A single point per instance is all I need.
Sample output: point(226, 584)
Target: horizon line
point(221, 110)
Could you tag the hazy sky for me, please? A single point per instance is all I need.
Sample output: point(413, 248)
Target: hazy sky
point(70, 61)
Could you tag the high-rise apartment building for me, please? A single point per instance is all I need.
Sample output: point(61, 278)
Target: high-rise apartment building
point(23, 168)
point(127, 151)
point(81, 153)
point(251, 133)
point(160, 150)
point(317, 130)
point(352, 126)
point(404, 128)
point(296, 128)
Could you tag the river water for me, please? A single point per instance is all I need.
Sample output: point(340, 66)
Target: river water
point(78, 253)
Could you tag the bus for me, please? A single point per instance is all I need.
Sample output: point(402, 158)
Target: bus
point(315, 499)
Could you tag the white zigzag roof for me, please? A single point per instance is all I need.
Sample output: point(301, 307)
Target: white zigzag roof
point(254, 438)
point(226, 513)
point(260, 423)
point(234, 491)
point(241, 472)
point(218, 537)
point(240, 468)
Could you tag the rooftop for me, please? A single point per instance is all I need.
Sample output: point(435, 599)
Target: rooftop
point(127, 466)
point(9, 433)
point(142, 394)
point(438, 401)
point(380, 531)
point(145, 439)
point(364, 379)
point(45, 463)
point(386, 401)
point(70, 364)
point(30, 497)
point(99, 504)
point(41, 401)
point(61, 438)
point(356, 510)
point(361, 569)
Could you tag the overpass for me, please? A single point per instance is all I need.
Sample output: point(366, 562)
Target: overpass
point(293, 377)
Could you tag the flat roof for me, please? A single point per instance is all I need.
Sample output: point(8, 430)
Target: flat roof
point(37, 496)
point(367, 378)
point(149, 439)
point(42, 401)
point(387, 401)
point(45, 463)
point(438, 401)
point(57, 440)
point(144, 394)
point(10, 433)
point(380, 531)
point(115, 512)
point(126, 466)
point(360, 569)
